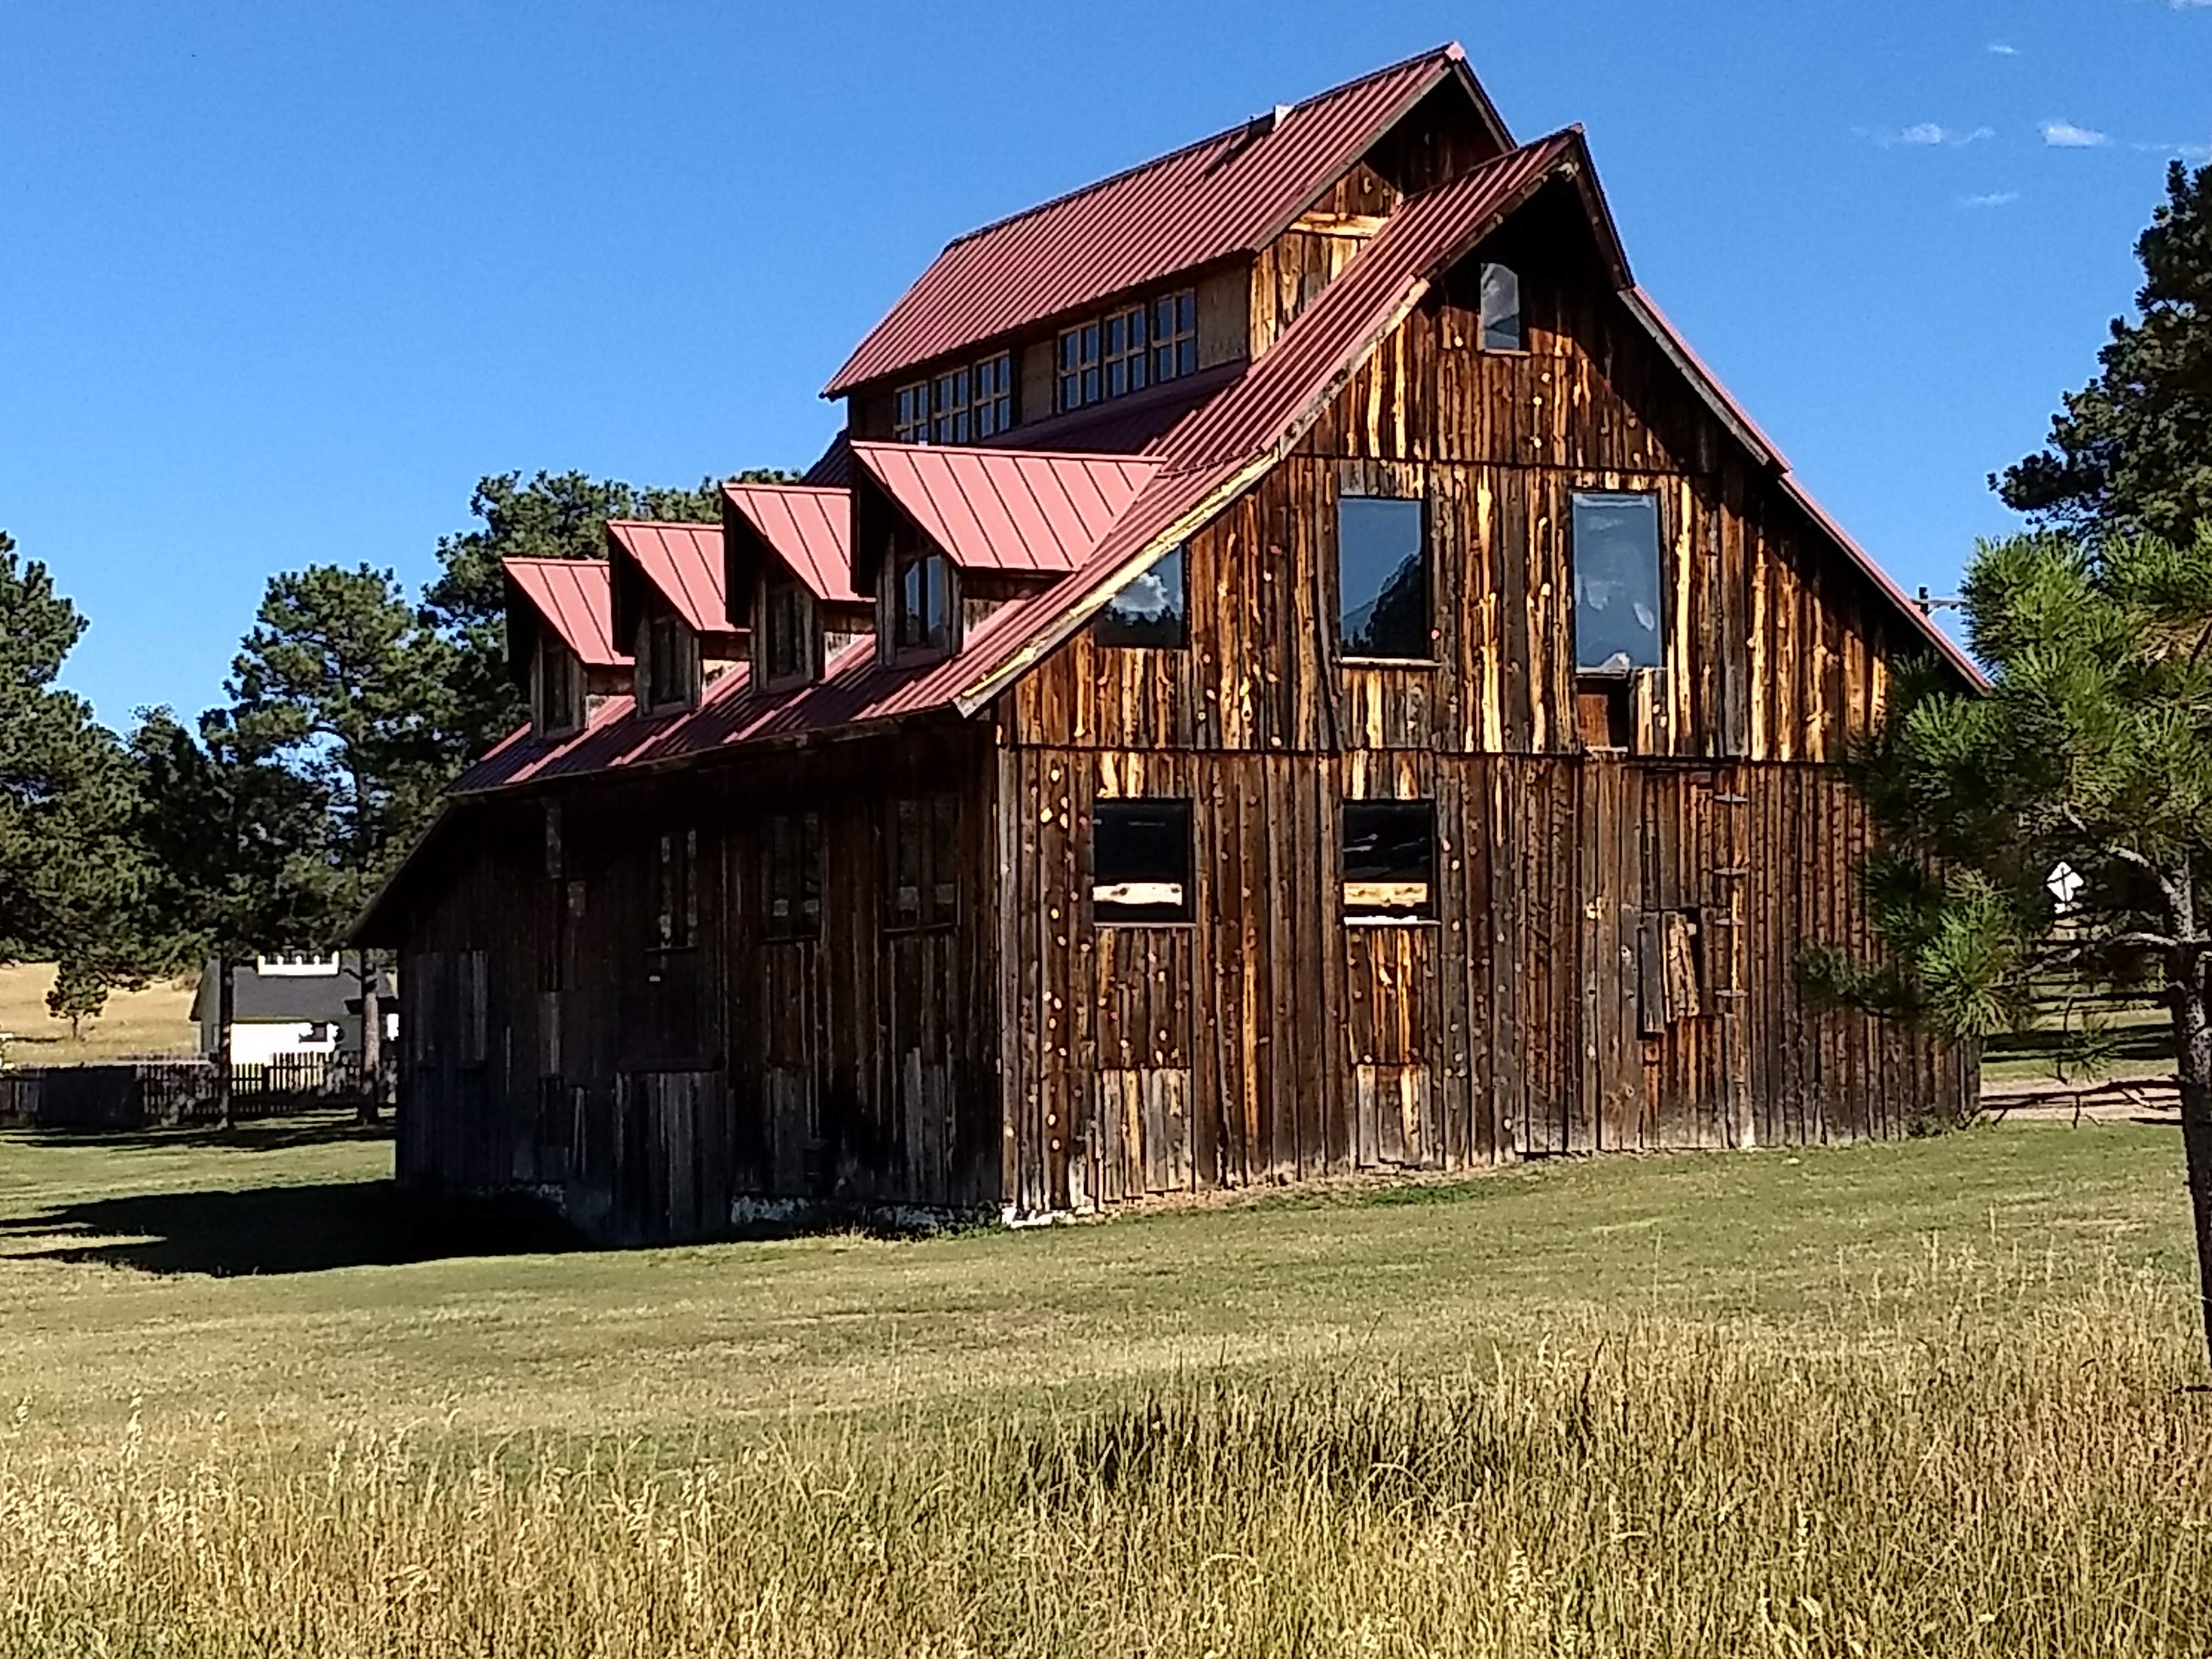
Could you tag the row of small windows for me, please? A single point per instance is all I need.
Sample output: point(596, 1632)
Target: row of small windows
point(1128, 349)
point(964, 405)
point(1385, 600)
point(1142, 863)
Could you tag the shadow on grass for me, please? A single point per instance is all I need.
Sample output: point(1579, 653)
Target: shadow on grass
point(284, 1230)
point(273, 1135)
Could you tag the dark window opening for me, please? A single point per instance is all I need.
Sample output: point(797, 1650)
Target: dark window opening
point(560, 693)
point(1382, 579)
point(921, 602)
point(675, 891)
point(786, 622)
point(925, 861)
point(1390, 859)
point(670, 662)
point(1616, 554)
point(1152, 609)
point(791, 866)
point(1140, 861)
point(1501, 308)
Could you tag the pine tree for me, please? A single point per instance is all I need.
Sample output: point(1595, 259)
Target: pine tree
point(2092, 748)
point(2131, 452)
point(341, 686)
point(69, 874)
point(78, 993)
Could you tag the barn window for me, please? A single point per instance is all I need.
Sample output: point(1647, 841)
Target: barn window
point(1152, 609)
point(1501, 308)
point(1128, 349)
point(1389, 860)
point(1140, 861)
point(787, 626)
point(560, 689)
point(1382, 579)
point(675, 891)
point(1616, 554)
point(925, 861)
point(921, 602)
point(670, 665)
point(962, 405)
point(791, 869)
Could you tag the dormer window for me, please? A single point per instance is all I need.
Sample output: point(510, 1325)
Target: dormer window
point(921, 602)
point(964, 405)
point(557, 689)
point(667, 663)
point(1501, 308)
point(787, 631)
point(1128, 349)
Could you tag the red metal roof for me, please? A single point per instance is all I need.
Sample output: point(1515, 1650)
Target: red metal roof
point(683, 562)
point(1232, 193)
point(575, 599)
point(811, 530)
point(1008, 509)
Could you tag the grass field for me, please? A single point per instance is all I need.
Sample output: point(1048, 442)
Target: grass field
point(1922, 1398)
point(153, 1022)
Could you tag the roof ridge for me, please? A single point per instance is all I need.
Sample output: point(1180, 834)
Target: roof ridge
point(705, 527)
point(790, 486)
point(1450, 51)
point(552, 558)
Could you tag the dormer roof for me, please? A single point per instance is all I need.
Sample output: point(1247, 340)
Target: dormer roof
point(1229, 194)
point(809, 527)
point(684, 563)
point(571, 597)
point(1030, 512)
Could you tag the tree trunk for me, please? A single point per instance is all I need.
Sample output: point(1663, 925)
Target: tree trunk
point(372, 1038)
point(226, 1015)
point(2192, 1058)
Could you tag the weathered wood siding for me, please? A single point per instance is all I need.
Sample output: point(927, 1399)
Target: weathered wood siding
point(1611, 964)
point(552, 1045)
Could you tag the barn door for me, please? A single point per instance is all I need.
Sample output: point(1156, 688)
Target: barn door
point(1609, 1100)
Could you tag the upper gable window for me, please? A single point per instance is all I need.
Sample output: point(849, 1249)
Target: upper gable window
point(1501, 308)
point(791, 877)
point(1389, 854)
point(1616, 556)
point(787, 621)
point(1128, 349)
point(1382, 579)
point(964, 405)
point(1151, 610)
point(921, 602)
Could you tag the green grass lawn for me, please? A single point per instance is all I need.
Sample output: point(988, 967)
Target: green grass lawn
point(275, 1276)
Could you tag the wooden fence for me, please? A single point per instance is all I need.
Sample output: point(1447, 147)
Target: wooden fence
point(134, 1093)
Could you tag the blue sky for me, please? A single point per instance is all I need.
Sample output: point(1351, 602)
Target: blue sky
point(278, 283)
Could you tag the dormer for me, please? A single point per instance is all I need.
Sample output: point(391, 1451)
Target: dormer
point(560, 640)
point(788, 575)
point(670, 608)
point(943, 537)
point(1100, 303)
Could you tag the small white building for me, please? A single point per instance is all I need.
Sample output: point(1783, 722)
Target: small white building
point(294, 1002)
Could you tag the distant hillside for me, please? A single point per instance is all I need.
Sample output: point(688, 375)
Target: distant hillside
point(155, 1021)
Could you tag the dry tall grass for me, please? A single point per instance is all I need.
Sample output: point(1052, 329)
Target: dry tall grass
point(2039, 1484)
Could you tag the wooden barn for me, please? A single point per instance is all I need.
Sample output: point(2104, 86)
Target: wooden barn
point(1293, 667)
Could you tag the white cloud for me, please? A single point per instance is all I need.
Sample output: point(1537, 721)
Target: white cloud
point(2197, 152)
point(1997, 199)
point(2003, 51)
point(1928, 134)
point(2064, 135)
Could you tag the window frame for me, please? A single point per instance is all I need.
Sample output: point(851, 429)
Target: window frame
point(1104, 624)
point(791, 869)
point(1084, 356)
point(964, 404)
point(1482, 315)
point(924, 643)
point(1427, 657)
point(787, 619)
point(1576, 499)
point(1105, 812)
point(924, 831)
point(1374, 914)
point(667, 660)
point(556, 666)
point(675, 890)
